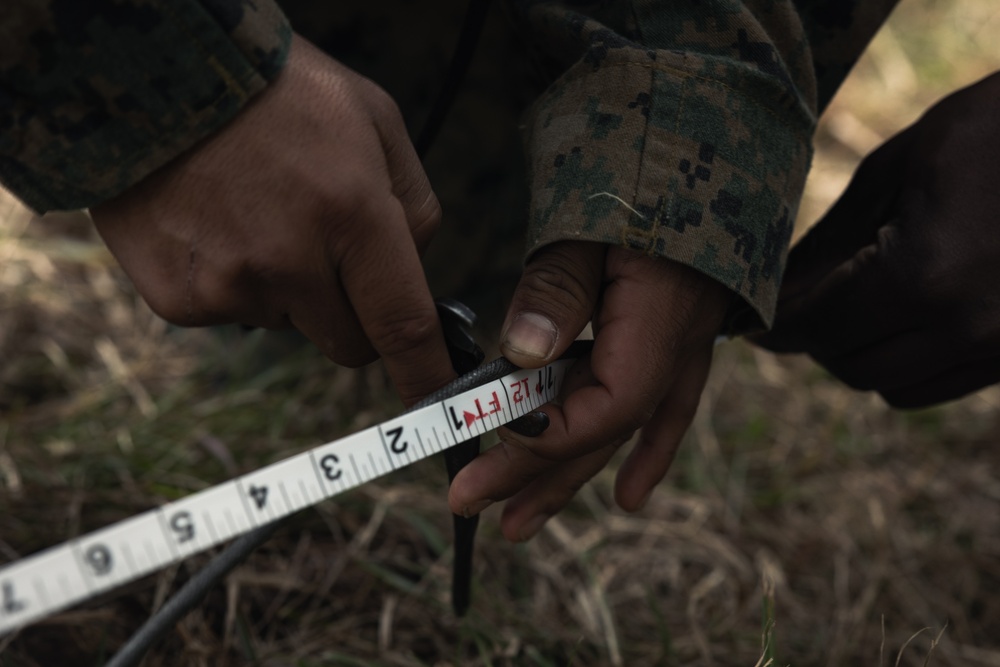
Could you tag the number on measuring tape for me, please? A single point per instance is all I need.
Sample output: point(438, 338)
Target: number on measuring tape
point(479, 411)
point(331, 467)
point(521, 390)
point(60, 576)
point(455, 421)
point(544, 379)
point(395, 435)
point(183, 526)
point(98, 558)
point(10, 603)
point(259, 495)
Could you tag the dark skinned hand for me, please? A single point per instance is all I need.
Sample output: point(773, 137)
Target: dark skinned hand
point(654, 324)
point(897, 288)
point(309, 210)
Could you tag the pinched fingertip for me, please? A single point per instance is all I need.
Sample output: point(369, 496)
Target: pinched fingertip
point(530, 425)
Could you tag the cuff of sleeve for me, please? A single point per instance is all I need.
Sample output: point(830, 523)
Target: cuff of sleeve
point(684, 157)
point(143, 88)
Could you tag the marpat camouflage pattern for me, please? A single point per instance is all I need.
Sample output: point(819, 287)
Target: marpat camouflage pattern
point(679, 129)
point(96, 94)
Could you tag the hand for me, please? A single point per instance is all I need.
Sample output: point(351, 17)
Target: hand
point(654, 325)
point(895, 290)
point(309, 210)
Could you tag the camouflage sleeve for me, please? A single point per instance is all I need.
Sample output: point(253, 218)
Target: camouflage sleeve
point(684, 129)
point(96, 94)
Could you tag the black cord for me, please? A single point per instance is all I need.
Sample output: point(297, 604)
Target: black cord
point(191, 595)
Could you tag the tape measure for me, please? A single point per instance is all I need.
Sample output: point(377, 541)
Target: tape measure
point(60, 576)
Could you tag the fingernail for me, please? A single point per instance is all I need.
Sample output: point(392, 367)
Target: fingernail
point(472, 509)
point(531, 425)
point(531, 527)
point(532, 335)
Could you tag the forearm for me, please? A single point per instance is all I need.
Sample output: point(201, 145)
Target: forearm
point(96, 97)
point(683, 132)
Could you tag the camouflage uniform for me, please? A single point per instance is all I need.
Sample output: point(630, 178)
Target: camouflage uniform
point(96, 94)
point(679, 129)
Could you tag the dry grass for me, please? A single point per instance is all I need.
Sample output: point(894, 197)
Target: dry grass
point(803, 524)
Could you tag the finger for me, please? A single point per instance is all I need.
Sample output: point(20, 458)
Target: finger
point(547, 494)
point(646, 310)
point(652, 455)
point(553, 302)
point(495, 475)
point(333, 327)
point(384, 281)
point(853, 221)
point(857, 304)
point(898, 361)
point(946, 386)
point(410, 184)
point(532, 424)
point(511, 465)
point(645, 323)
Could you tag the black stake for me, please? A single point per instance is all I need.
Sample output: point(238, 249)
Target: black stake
point(466, 356)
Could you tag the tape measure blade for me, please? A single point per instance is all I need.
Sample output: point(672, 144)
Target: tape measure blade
point(344, 464)
point(282, 488)
point(72, 572)
point(205, 519)
point(520, 395)
point(416, 435)
point(38, 586)
point(477, 411)
point(58, 577)
point(122, 552)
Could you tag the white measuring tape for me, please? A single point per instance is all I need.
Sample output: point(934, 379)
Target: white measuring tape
point(56, 578)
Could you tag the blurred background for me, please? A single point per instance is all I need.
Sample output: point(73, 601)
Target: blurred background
point(803, 523)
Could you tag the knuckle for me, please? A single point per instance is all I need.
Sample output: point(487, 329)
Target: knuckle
point(632, 418)
point(351, 201)
point(196, 300)
point(216, 290)
point(632, 412)
point(425, 216)
point(404, 331)
point(207, 295)
point(556, 284)
point(383, 111)
point(170, 307)
point(519, 450)
point(382, 103)
point(351, 356)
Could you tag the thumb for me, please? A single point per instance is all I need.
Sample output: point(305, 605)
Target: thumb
point(553, 302)
point(853, 221)
point(829, 253)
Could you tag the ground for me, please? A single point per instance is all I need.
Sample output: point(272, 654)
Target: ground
point(803, 523)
